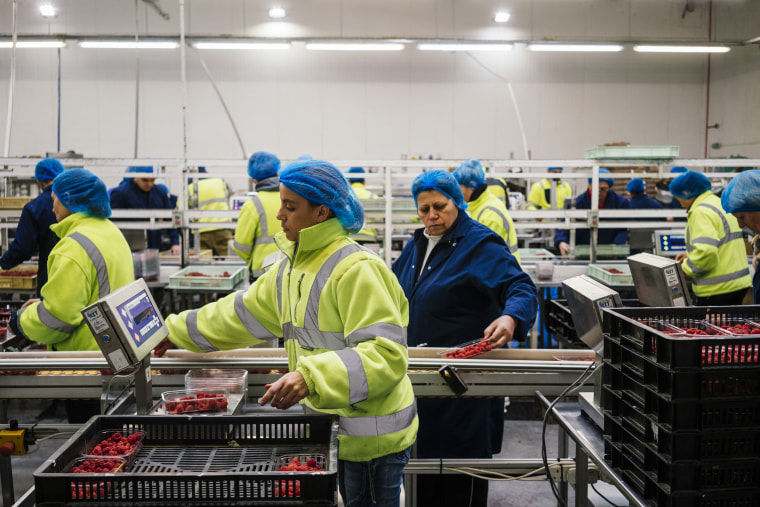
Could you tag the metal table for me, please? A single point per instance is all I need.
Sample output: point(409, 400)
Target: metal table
point(589, 445)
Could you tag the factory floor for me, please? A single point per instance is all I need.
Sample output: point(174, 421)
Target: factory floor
point(522, 440)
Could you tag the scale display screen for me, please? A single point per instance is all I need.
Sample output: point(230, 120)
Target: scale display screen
point(669, 243)
point(139, 317)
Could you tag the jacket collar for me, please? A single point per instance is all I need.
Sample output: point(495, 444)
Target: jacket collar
point(62, 228)
point(271, 183)
point(699, 200)
point(312, 238)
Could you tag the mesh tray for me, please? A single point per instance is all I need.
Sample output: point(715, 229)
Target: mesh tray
point(200, 461)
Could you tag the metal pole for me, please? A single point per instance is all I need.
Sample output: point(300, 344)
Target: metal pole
point(12, 84)
point(137, 76)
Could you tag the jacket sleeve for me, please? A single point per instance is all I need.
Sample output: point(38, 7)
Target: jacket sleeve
point(238, 320)
point(248, 221)
point(535, 196)
point(704, 232)
point(376, 357)
point(24, 243)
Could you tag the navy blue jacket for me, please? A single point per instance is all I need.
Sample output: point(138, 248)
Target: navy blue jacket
point(642, 201)
point(129, 196)
point(470, 280)
point(33, 234)
point(756, 286)
point(606, 236)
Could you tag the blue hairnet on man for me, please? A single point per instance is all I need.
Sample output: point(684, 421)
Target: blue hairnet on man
point(33, 232)
point(356, 170)
point(441, 181)
point(689, 184)
point(263, 165)
point(470, 174)
point(322, 183)
point(607, 179)
point(82, 192)
point(635, 185)
point(678, 169)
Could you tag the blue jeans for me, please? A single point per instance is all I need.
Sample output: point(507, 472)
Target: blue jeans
point(375, 483)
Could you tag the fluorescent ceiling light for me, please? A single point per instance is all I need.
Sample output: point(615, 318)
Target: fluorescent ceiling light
point(501, 17)
point(241, 45)
point(35, 44)
point(276, 13)
point(126, 44)
point(462, 46)
point(47, 11)
point(576, 47)
point(681, 49)
point(354, 46)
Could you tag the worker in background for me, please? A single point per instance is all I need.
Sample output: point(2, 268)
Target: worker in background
point(741, 198)
point(462, 283)
point(33, 232)
point(347, 355)
point(638, 197)
point(483, 206)
point(540, 196)
point(257, 223)
point(213, 194)
point(499, 188)
point(715, 257)
point(608, 199)
point(357, 183)
point(663, 195)
point(141, 193)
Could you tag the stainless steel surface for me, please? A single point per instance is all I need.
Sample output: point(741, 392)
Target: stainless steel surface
point(585, 298)
point(591, 408)
point(659, 281)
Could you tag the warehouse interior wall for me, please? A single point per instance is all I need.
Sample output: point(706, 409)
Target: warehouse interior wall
point(387, 105)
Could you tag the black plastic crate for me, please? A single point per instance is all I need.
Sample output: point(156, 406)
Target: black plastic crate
point(704, 445)
point(739, 381)
point(704, 475)
point(231, 460)
point(676, 352)
point(707, 414)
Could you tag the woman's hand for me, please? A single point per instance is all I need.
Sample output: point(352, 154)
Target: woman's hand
point(680, 257)
point(174, 250)
point(162, 347)
point(500, 331)
point(564, 248)
point(286, 391)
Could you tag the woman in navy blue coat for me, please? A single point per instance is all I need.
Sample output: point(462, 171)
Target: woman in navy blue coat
point(462, 283)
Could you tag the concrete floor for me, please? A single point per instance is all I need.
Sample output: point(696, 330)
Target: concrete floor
point(522, 439)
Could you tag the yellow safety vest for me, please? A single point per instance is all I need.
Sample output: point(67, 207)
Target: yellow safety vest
point(362, 193)
point(538, 198)
point(212, 195)
point(256, 227)
point(491, 212)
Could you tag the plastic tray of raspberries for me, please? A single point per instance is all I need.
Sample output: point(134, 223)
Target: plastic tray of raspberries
point(304, 462)
point(468, 349)
point(96, 465)
point(195, 401)
point(114, 444)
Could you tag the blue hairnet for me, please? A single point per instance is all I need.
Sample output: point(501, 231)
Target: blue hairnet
point(636, 185)
point(140, 169)
point(82, 192)
point(263, 165)
point(305, 156)
point(470, 174)
point(609, 181)
point(689, 184)
point(555, 169)
point(678, 169)
point(742, 194)
point(440, 181)
point(47, 169)
point(322, 183)
point(356, 170)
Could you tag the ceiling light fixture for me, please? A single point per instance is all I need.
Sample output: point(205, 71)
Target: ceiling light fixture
point(463, 46)
point(126, 44)
point(354, 46)
point(680, 49)
point(47, 11)
point(33, 44)
point(241, 45)
point(501, 17)
point(579, 47)
point(276, 13)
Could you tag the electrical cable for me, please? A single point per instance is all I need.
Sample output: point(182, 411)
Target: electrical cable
point(587, 373)
point(603, 497)
point(104, 406)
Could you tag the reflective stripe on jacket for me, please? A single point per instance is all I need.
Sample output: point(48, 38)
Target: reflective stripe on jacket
point(540, 195)
point(257, 225)
point(491, 212)
point(717, 259)
point(91, 260)
point(212, 195)
point(350, 350)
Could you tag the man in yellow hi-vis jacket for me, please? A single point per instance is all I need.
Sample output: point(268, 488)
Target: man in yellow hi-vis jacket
point(715, 257)
point(347, 355)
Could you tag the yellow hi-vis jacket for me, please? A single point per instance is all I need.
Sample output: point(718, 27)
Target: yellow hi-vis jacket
point(256, 226)
point(539, 195)
point(717, 259)
point(343, 316)
point(91, 260)
point(490, 211)
point(362, 193)
point(212, 195)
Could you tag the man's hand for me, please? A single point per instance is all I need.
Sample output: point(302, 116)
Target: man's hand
point(564, 249)
point(286, 391)
point(162, 347)
point(175, 250)
point(500, 331)
point(680, 257)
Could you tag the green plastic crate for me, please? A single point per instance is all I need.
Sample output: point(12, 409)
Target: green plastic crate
point(582, 251)
point(601, 273)
point(535, 254)
point(212, 277)
point(633, 152)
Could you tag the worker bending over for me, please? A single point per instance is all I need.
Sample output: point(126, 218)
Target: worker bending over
point(741, 198)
